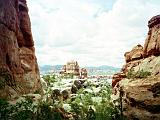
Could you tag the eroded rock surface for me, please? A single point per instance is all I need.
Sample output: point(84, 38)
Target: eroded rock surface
point(141, 96)
point(135, 54)
point(71, 67)
point(152, 43)
point(17, 56)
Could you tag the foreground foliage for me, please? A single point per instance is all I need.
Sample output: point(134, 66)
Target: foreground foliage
point(86, 107)
point(27, 110)
point(90, 103)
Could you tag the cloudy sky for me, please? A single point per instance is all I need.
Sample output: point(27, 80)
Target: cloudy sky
point(93, 32)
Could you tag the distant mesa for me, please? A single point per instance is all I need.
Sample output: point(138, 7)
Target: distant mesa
point(72, 68)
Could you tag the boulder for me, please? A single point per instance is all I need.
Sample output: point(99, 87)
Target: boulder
point(83, 73)
point(56, 93)
point(74, 89)
point(65, 94)
point(78, 84)
point(135, 54)
point(141, 98)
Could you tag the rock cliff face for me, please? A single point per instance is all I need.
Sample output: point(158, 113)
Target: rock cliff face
point(138, 84)
point(19, 73)
point(152, 43)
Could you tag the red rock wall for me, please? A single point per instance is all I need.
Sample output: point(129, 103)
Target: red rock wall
point(19, 71)
point(152, 43)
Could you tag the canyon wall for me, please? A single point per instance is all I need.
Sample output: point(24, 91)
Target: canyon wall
point(138, 83)
point(19, 73)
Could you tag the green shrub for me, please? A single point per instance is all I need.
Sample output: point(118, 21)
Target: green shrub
point(85, 108)
point(45, 112)
point(26, 110)
point(5, 110)
point(139, 74)
point(49, 78)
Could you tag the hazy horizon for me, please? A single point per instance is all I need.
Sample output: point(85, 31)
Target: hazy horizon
point(79, 65)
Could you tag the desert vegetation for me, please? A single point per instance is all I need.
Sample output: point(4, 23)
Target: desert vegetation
point(138, 74)
point(89, 103)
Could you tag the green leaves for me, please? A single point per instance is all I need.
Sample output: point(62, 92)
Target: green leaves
point(85, 108)
point(139, 74)
point(26, 110)
point(50, 78)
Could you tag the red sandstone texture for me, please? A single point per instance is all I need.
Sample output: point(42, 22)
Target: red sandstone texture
point(152, 43)
point(135, 54)
point(18, 64)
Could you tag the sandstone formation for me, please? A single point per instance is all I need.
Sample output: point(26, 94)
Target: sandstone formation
point(117, 77)
point(135, 54)
point(152, 43)
point(140, 97)
point(72, 68)
point(19, 73)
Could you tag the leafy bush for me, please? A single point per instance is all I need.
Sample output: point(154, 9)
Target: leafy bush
point(67, 76)
point(45, 112)
point(22, 110)
point(5, 110)
point(139, 74)
point(26, 110)
point(49, 78)
point(85, 108)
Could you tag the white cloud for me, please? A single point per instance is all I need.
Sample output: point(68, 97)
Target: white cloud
point(85, 31)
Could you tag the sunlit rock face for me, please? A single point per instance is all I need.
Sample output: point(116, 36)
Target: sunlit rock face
point(117, 77)
point(152, 43)
point(135, 54)
point(141, 96)
point(19, 73)
point(71, 67)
